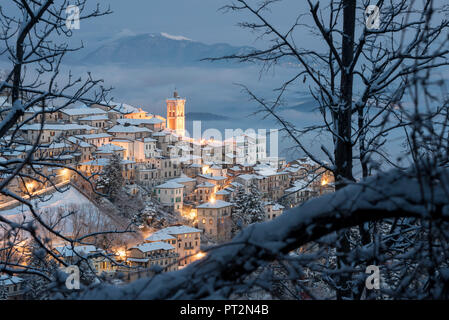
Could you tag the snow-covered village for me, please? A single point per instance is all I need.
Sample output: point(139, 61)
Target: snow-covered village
point(252, 150)
point(122, 168)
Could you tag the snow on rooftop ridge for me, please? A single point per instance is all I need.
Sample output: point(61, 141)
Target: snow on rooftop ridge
point(182, 178)
point(95, 117)
point(170, 185)
point(205, 184)
point(109, 148)
point(159, 236)
point(83, 110)
point(104, 162)
point(122, 128)
point(152, 246)
point(121, 107)
point(58, 127)
point(175, 230)
point(153, 120)
point(7, 280)
point(93, 136)
point(84, 251)
point(214, 205)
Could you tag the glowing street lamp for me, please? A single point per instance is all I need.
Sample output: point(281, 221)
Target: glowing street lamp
point(324, 181)
point(29, 186)
point(121, 253)
point(199, 255)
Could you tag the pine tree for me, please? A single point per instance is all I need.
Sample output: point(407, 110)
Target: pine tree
point(111, 180)
point(255, 211)
point(247, 208)
point(37, 286)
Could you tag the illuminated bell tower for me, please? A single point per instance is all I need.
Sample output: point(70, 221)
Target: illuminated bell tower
point(175, 114)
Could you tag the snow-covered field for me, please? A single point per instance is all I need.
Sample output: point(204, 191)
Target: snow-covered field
point(68, 212)
point(55, 200)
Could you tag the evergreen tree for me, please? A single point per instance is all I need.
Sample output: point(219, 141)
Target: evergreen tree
point(255, 211)
point(111, 180)
point(247, 208)
point(37, 287)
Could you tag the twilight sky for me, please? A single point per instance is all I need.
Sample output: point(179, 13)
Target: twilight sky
point(206, 90)
point(198, 20)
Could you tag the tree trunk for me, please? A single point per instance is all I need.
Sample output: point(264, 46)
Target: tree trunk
point(343, 145)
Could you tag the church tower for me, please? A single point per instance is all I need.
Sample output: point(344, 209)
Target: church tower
point(175, 114)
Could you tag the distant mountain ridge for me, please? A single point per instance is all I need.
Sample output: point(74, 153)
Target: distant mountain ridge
point(205, 116)
point(161, 50)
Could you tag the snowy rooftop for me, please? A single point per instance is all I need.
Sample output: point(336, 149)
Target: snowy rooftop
point(236, 184)
point(159, 236)
point(103, 162)
point(95, 118)
point(137, 122)
point(159, 134)
point(170, 185)
point(152, 246)
point(83, 110)
point(55, 145)
point(109, 148)
point(68, 251)
point(222, 192)
point(215, 205)
point(128, 129)
point(205, 185)
point(299, 185)
point(182, 179)
point(274, 205)
point(175, 230)
point(57, 127)
point(216, 178)
point(121, 107)
point(79, 142)
point(93, 136)
point(247, 176)
point(6, 280)
point(269, 172)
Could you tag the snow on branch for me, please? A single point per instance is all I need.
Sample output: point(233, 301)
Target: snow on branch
point(223, 270)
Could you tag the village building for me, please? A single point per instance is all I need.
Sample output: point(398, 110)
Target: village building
point(100, 121)
point(185, 239)
point(170, 195)
point(14, 286)
point(272, 210)
point(97, 139)
point(71, 115)
point(134, 150)
point(96, 166)
point(100, 260)
point(214, 218)
point(51, 132)
point(148, 254)
point(108, 150)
